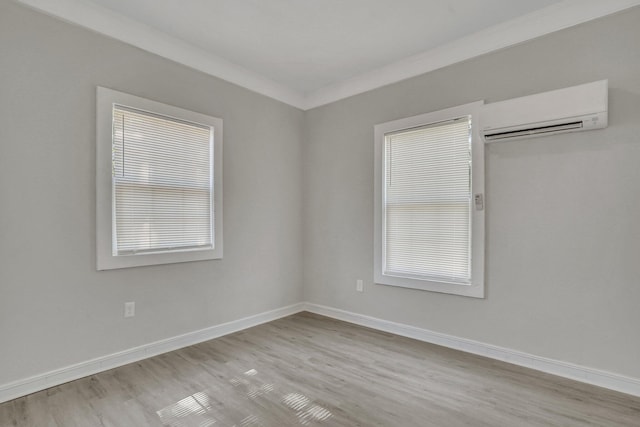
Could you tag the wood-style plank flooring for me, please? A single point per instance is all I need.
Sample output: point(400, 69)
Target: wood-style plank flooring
point(313, 371)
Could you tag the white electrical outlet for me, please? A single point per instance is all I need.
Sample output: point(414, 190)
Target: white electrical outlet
point(359, 285)
point(129, 309)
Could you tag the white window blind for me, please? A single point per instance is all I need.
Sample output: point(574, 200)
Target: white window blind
point(162, 183)
point(427, 202)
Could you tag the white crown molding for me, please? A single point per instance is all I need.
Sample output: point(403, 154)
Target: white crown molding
point(122, 28)
point(536, 24)
point(56, 377)
point(544, 21)
point(583, 374)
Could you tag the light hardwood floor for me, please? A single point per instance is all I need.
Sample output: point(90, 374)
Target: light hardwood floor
point(314, 371)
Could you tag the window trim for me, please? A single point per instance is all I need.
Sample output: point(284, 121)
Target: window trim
point(476, 288)
point(105, 259)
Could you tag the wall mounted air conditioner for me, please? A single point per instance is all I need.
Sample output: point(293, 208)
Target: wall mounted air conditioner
point(576, 108)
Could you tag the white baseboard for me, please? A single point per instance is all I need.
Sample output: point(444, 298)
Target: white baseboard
point(56, 377)
point(563, 369)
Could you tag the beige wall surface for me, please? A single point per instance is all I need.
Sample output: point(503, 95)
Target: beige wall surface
point(563, 212)
point(55, 308)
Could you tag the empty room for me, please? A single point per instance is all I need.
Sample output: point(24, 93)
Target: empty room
point(404, 213)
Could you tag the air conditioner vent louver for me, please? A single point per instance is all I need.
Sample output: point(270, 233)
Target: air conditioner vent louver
point(573, 109)
point(533, 131)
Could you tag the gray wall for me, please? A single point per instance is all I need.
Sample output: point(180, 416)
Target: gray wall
point(55, 309)
point(563, 236)
point(563, 212)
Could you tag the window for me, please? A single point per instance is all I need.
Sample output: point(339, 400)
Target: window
point(159, 183)
point(429, 213)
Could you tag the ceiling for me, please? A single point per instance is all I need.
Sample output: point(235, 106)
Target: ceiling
point(309, 44)
point(311, 52)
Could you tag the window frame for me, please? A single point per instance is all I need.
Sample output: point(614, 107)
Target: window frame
point(105, 258)
point(476, 287)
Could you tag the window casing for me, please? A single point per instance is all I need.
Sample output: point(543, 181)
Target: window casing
point(159, 183)
point(429, 202)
